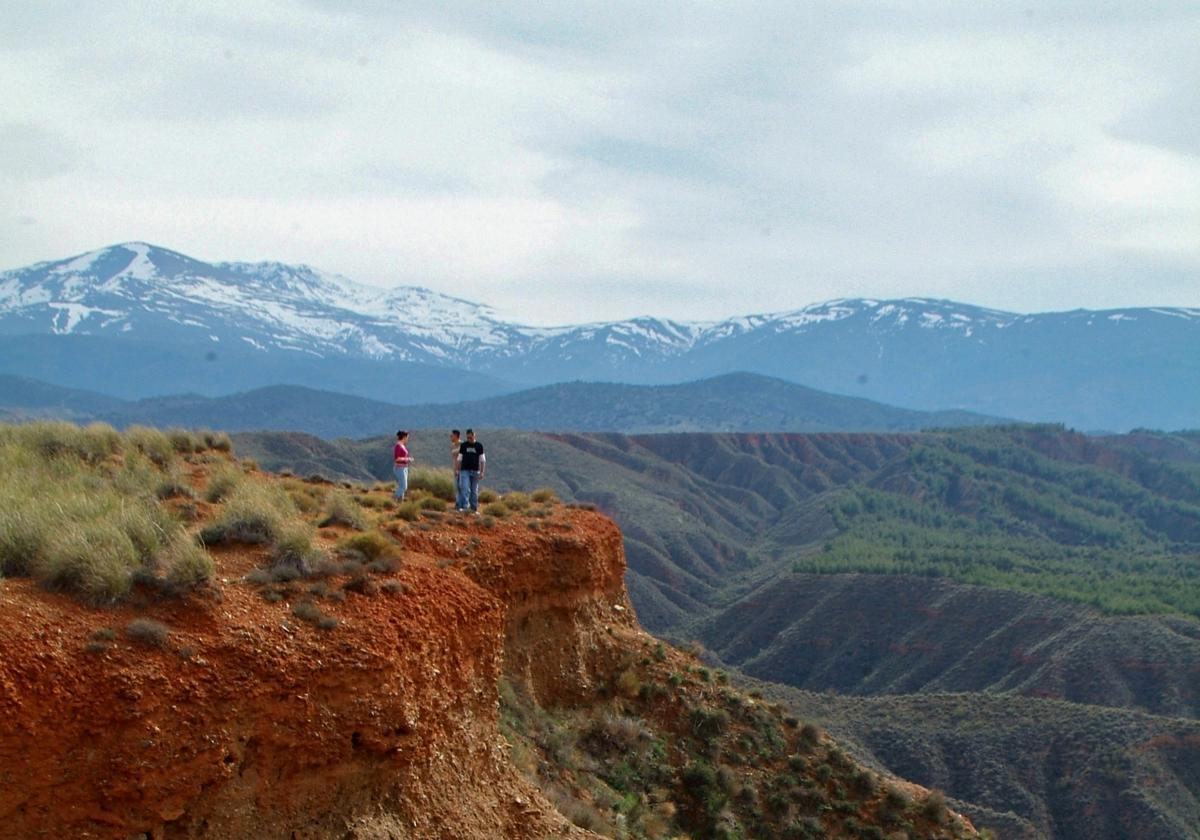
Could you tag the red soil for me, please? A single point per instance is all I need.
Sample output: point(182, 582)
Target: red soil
point(250, 722)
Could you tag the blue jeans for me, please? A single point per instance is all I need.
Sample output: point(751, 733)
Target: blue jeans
point(469, 488)
point(401, 480)
point(460, 491)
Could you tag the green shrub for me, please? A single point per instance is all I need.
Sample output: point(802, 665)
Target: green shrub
point(341, 509)
point(294, 549)
point(183, 441)
point(628, 684)
point(77, 525)
point(173, 484)
point(934, 808)
point(384, 565)
point(152, 443)
point(516, 501)
point(409, 511)
point(496, 509)
point(361, 584)
point(52, 439)
point(100, 440)
point(148, 632)
point(219, 441)
point(148, 527)
point(223, 482)
point(254, 513)
point(543, 495)
point(438, 482)
point(895, 802)
point(185, 562)
point(864, 784)
point(370, 545)
point(810, 735)
point(95, 560)
point(709, 723)
point(376, 502)
point(487, 496)
point(310, 612)
point(24, 532)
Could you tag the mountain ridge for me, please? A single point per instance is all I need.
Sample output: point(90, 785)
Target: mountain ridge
point(731, 402)
point(1112, 369)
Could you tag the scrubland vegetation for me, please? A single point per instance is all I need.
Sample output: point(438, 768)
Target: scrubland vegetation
point(669, 749)
point(82, 509)
point(986, 506)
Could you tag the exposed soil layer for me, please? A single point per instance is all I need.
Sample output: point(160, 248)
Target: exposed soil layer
point(250, 722)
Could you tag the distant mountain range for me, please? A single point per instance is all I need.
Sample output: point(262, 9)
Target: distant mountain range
point(732, 403)
point(135, 320)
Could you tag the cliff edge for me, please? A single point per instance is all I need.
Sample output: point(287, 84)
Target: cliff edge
point(363, 697)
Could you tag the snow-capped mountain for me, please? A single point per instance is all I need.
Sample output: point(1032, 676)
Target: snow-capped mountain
point(268, 322)
point(147, 292)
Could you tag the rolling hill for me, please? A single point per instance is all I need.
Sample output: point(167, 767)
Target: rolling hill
point(735, 402)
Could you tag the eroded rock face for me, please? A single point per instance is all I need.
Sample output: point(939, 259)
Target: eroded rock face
point(562, 592)
point(250, 722)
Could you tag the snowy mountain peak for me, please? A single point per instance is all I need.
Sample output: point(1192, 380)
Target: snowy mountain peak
point(139, 290)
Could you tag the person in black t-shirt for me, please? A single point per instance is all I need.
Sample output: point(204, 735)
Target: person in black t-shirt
point(472, 464)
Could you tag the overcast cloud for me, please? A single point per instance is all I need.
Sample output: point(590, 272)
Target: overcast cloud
point(589, 161)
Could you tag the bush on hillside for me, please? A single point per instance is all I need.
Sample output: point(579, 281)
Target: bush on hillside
point(219, 441)
point(293, 548)
point(437, 481)
point(497, 509)
point(254, 513)
point(223, 481)
point(148, 632)
point(173, 484)
point(516, 501)
point(370, 545)
point(152, 443)
point(58, 438)
point(408, 511)
point(341, 509)
point(77, 522)
point(95, 560)
point(184, 442)
point(185, 563)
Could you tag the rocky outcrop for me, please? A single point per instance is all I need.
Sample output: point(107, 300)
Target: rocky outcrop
point(562, 593)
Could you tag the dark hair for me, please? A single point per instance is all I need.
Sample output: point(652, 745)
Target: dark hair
point(470, 431)
point(401, 433)
point(455, 432)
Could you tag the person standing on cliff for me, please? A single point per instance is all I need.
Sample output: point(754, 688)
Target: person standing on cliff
point(400, 462)
point(460, 492)
point(472, 464)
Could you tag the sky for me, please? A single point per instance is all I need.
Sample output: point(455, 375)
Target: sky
point(584, 161)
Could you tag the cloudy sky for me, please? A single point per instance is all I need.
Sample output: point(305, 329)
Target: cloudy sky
point(584, 161)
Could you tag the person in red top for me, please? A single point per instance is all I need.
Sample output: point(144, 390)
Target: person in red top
point(400, 461)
